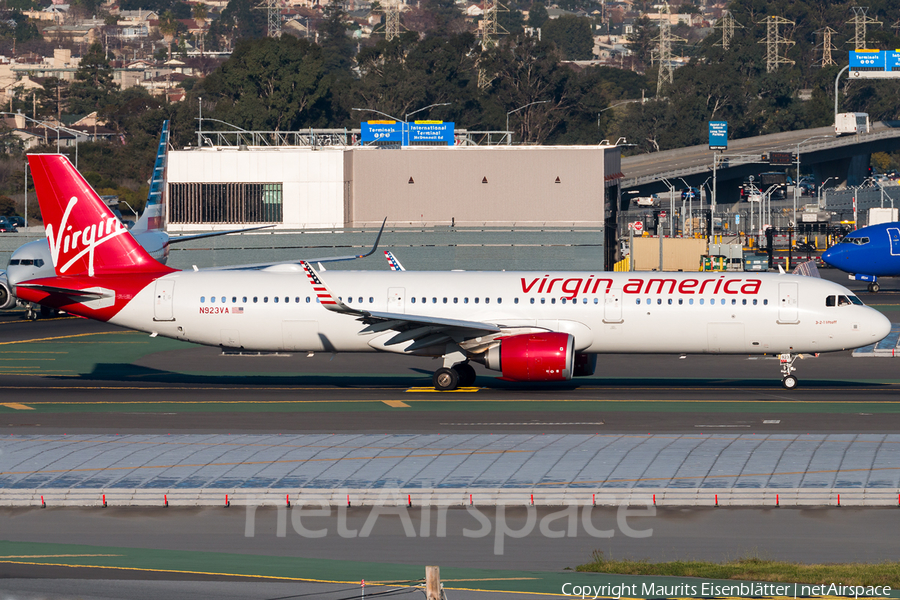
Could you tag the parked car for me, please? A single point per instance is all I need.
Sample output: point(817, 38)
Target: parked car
point(6, 225)
point(17, 221)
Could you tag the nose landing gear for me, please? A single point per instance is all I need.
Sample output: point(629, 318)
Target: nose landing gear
point(787, 367)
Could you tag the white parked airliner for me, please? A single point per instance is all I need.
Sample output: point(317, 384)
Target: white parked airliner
point(530, 326)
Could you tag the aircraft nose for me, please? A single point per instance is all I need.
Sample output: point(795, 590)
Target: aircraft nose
point(879, 325)
point(830, 256)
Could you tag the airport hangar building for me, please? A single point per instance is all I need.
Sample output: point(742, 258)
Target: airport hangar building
point(447, 207)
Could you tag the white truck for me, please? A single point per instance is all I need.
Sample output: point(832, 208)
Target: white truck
point(851, 123)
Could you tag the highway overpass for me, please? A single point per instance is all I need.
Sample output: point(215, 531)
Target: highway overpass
point(846, 158)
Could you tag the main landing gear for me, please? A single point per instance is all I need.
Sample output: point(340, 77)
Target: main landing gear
point(787, 367)
point(449, 378)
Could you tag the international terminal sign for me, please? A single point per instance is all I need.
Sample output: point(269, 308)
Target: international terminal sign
point(405, 134)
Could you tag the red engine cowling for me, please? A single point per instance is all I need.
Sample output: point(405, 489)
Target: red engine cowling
point(534, 357)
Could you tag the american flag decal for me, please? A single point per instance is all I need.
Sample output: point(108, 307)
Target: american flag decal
point(321, 291)
point(237, 310)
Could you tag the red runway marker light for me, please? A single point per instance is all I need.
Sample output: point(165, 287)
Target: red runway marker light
point(839, 499)
point(287, 500)
point(654, 499)
point(227, 503)
point(104, 500)
point(593, 499)
point(348, 499)
point(777, 503)
point(166, 500)
point(532, 499)
point(717, 499)
point(409, 499)
point(470, 500)
point(43, 504)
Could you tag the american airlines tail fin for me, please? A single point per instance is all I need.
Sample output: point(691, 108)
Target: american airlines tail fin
point(392, 261)
point(153, 217)
point(85, 237)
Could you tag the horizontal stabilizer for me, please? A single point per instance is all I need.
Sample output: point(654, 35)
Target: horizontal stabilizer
point(81, 295)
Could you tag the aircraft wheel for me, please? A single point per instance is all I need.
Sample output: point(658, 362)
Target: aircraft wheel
point(466, 374)
point(789, 382)
point(445, 379)
point(874, 287)
point(31, 314)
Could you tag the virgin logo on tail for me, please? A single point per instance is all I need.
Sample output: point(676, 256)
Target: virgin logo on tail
point(82, 241)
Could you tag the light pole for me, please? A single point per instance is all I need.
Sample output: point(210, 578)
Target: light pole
point(47, 126)
point(408, 115)
point(509, 137)
point(836, 79)
point(821, 188)
point(402, 123)
point(671, 207)
point(797, 182)
point(690, 199)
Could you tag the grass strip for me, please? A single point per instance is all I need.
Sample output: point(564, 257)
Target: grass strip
point(754, 569)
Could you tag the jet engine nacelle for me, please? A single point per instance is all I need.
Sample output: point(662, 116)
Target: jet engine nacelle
point(7, 298)
point(534, 357)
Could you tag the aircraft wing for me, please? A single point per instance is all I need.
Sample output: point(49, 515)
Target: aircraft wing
point(422, 330)
point(306, 260)
point(81, 295)
point(198, 236)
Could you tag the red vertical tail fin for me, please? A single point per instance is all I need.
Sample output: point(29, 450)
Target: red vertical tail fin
point(85, 237)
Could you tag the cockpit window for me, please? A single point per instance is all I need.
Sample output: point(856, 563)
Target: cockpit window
point(842, 301)
point(859, 241)
point(13, 262)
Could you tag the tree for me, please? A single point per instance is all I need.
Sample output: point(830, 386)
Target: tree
point(527, 71)
point(537, 16)
point(337, 47)
point(168, 27)
point(572, 35)
point(93, 82)
point(271, 85)
point(199, 14)
point(640, 40)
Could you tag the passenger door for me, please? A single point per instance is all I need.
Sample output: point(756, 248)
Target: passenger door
point(163, 300)
point(894, 236)
point(788, 308)
point(612, 306)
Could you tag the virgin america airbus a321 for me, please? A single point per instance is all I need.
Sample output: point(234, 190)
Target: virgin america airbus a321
point(529, 326)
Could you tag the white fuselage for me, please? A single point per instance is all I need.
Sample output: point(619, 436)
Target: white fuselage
point(275, 309)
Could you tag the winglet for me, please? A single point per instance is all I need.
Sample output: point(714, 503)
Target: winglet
point(377, 239)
